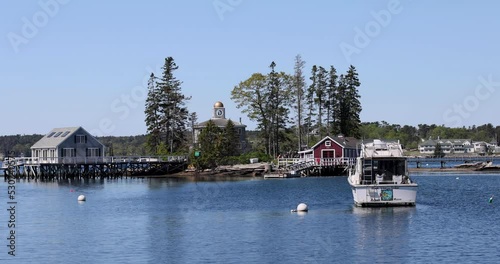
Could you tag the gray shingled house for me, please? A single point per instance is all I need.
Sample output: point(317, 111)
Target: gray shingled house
point(68, 145)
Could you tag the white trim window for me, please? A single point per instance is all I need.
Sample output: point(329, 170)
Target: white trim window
point(328, 143)
point(69, 152)
point(93, 152)
point(80, 139)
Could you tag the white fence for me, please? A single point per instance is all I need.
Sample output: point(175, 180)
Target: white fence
point(19, 161)
point(288, 162)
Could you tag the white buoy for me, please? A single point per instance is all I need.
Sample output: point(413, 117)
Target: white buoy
point(457, 178)
point(302, 207)
point(81, 198)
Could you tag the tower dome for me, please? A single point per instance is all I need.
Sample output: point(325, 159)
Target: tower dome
point(218, 104)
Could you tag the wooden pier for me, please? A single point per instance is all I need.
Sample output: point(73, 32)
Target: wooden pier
point(450, 159)
point(93, 167)
point(297, 167)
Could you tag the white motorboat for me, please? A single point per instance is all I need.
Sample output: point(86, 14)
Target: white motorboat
point(380, 176)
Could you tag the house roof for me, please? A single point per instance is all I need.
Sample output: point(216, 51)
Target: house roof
point(220, 122)
point(55, 137)
point(432, 142)
point(344, 142)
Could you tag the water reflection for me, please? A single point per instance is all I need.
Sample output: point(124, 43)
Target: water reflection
point(382, 234)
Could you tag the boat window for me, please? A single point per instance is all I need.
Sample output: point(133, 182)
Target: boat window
point(388, 168)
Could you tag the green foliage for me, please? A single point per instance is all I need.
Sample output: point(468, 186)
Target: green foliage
point(438, 151)
point(411, 136)
point(245, 158)
point(210, 146)
point(298, 98)
point(348, 106)
point(166, 111)
point(230, 140)
point(17, 145)
point(266, 99)
point(125, 146)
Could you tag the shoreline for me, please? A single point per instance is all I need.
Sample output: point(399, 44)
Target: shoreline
point(451, 170)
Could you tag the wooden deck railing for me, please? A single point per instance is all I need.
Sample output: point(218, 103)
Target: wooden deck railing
point(292, 162)
point(18, 161)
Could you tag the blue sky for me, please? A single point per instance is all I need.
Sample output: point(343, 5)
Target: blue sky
point(84, 63)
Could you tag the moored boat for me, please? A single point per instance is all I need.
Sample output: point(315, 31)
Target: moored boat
point(380, 176)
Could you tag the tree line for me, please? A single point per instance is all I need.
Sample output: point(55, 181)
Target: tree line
point(289, 112)
point(409, 136)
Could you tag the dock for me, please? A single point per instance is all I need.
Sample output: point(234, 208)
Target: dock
point(303, 167)
point(419, 161)
point(91, 167)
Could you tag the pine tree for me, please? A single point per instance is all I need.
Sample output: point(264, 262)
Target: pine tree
point(230, 140)
point(193, 118)
point(174, 113)
point(298, 97)
point(272, 107)
point(321, 87)
point(210, 145)
point(348, 106)
point(153, 116)
point(330, 101)
point(438, 151)
point(310, 98)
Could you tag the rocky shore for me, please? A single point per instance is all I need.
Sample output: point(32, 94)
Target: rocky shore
point(222, 172)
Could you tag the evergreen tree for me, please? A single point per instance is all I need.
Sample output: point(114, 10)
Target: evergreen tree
point(348, 106)
point(230, 140)
point(330, 100)
point(153, 116)
point(321, 88)
point(210, 146)
point(174, 114)
point(193, 118)
point(298, 97)
point(272, 107)
point(311, 107)
point(278, 102)
point(438, 151)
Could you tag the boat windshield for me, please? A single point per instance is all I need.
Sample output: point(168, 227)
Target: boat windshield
point(385, 168)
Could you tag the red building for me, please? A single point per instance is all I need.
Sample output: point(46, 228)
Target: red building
point(332, 148)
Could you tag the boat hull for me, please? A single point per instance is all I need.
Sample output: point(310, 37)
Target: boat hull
point(385, 194)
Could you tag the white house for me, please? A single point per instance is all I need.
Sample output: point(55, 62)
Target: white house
point(447, 145)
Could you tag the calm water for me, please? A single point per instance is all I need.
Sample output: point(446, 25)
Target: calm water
point(249, 221)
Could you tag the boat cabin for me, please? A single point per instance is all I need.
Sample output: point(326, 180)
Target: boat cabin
point(383, 170)
point(383, 162)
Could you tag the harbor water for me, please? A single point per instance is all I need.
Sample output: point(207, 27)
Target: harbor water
point(248, 221)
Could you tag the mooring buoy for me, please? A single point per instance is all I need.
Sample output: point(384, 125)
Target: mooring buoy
point(81, 198)
point(302, 207)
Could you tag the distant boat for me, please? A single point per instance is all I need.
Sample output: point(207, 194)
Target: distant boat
point(380, 176)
